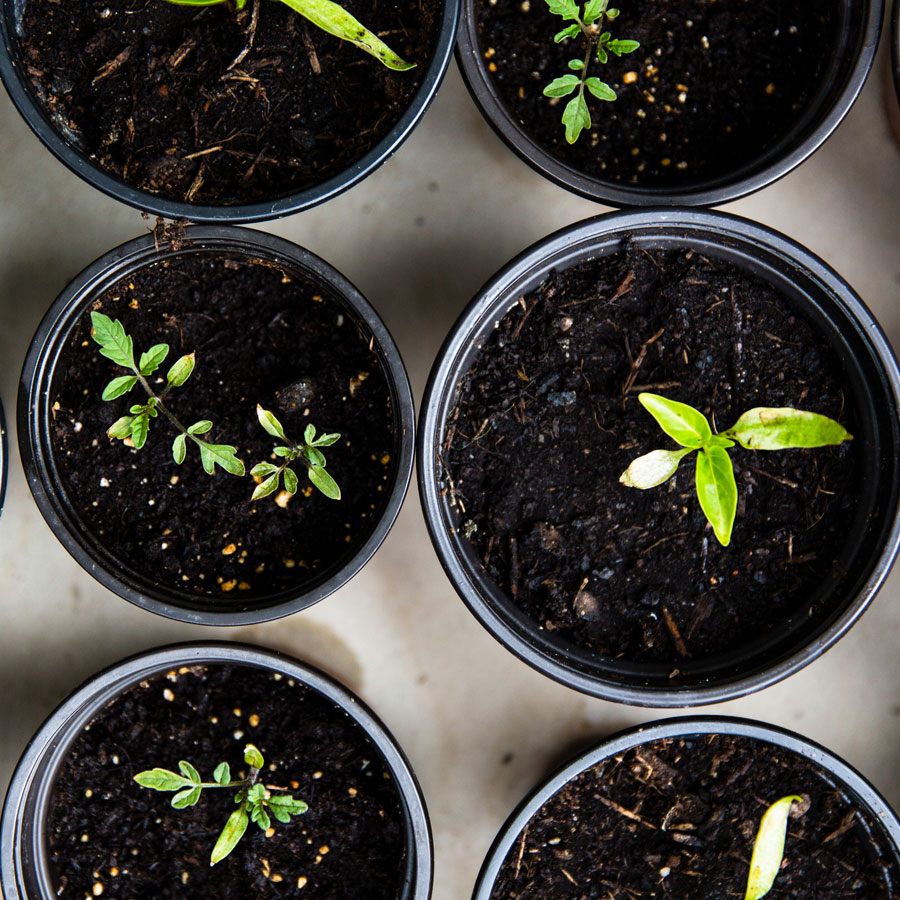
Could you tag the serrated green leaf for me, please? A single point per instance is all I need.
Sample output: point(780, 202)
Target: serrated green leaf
point(768, 848)
point(315, 457)
point(253, 757)
point(334, 19)
point(765, 428)
point(119, 386)
point(565, 8)
point(576, 117)
point(620, 47)
point(181, 371)
point(222, 773)
point(652, 468)
point(593, 9)
point(189, 771)
point(114, 343)
point(569, 31)
point(232, 832)
point(270, 423)
point(324, 482)
point(179, 450)
point(264, 488)
point(161, 780)
point(257, 793)
point(186, 798)
point(261, 817)
point(120, 429)
point(717, 491)
point(140, 428)
point(288, 804)
point(600, 89)
point(261, 469)
point(212, 455)
point(326, 440)
point(559, 87)
point(201, 427)
point(681, 422)
point(310, 434)
point(153, 358)
point(280, 813)
point(290, 481)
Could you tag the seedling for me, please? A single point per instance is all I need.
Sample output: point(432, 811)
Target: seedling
point(589, 24)
point(768, 848)
point(118, 346)
point(308, 453)
point(760, 428)
point(255, 800)
point(334, 19)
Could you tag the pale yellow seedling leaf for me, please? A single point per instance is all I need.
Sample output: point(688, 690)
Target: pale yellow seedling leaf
point(768, 848)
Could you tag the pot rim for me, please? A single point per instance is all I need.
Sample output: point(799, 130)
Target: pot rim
point(13, 77)
point(47, 748)
point(895, 47)
point(713, 192)
point(683, 726)
point(37, 456)
point(491, 302)
point(4, 459)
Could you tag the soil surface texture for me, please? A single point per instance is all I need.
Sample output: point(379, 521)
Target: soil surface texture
point(261, 335)
point(149, 90)
point(548, 418)
point(677, 819)
point(105, 829)
point(714, 85)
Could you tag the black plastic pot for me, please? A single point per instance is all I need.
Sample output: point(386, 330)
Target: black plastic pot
point(13, 71)
point(35, 417)
point(24, 864)
point(4, 459)
point(839, 88)
point(873, 536)
point(838, 772)
point(895, 47)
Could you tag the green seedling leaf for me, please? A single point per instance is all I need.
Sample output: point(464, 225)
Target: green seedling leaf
point(189, 772)
point(181, 371)
point(593, 10)
point(717, 491)
point(232, 832)
point(257, 792)
point(290, 481)
point(286, 803)
point(283, 451)
point(652, 468)
point(119, 386)
point(576, 65)
point(140, 428)
point(153, 358)
point(309, 435)
point(324, 482)
point(325, 440)
point(315, 457)
point(253, 758)
point(620, 48)
point(334, 19)
point(201, 427)
point(600, 89)
point(261, 817)
point(768, 848)
point(262, 469)
point(264, 488)
point(568, 32)
point(270, 423)
point(612, 14)
point(113, 341)
point(179, 451)
point(684, 424)
point(120, 429)
point(763, 428)
point(559, 87)
point(565, 8)
point(186, 798)
point(222, 773)
point(602, 55)
point(576, 118)
point(212, 455)
point(161, 780)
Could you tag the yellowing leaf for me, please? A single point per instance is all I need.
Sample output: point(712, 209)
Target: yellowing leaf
point(768, 848)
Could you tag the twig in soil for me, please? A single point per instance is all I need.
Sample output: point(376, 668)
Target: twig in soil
point(629, 381)
point(662, 540)
point(113, 65)
point(518, 331)
point(779, 478)
point(314, 63)
point(627, 813)
point(658, 386)
point(676, 635)
point(251, 36)
point(521, 850)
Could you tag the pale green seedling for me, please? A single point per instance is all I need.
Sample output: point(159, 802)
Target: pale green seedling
point(334, 19)
point(588, 22)
point(768, 848)
point(760, 428)
point(256, 802)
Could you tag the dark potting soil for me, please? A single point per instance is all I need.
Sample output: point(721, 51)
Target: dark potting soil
point(147, 90)
point(261, 335)
point(713, 86)
point(677, 819)
point(105, 829)
point(548, 418)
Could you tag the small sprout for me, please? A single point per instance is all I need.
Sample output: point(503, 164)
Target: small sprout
point(596, 42)
point(308, 453)
point(255, 801)
point(760, 428)
point(334, 19)
point(768, 848)
point(119, 347)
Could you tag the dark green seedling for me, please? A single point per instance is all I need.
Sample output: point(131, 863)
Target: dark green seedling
point(768, 848)
point(308, 453)
point(119, 347)
point(760, 428)
point(597, 43)
point(334, 19)
point(256, 802)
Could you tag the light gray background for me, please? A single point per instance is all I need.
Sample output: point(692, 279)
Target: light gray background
point(419, 237)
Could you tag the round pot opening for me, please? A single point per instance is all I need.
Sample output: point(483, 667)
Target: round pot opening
point(871, 538)
point(676, 748)
point(659, 164)
point(292, 277)
point(27, 868)
point(173, 186)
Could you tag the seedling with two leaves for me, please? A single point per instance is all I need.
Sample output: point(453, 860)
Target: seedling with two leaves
point(334, 19)
point(256, 802)
point(761, 428)
point(597, 43)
